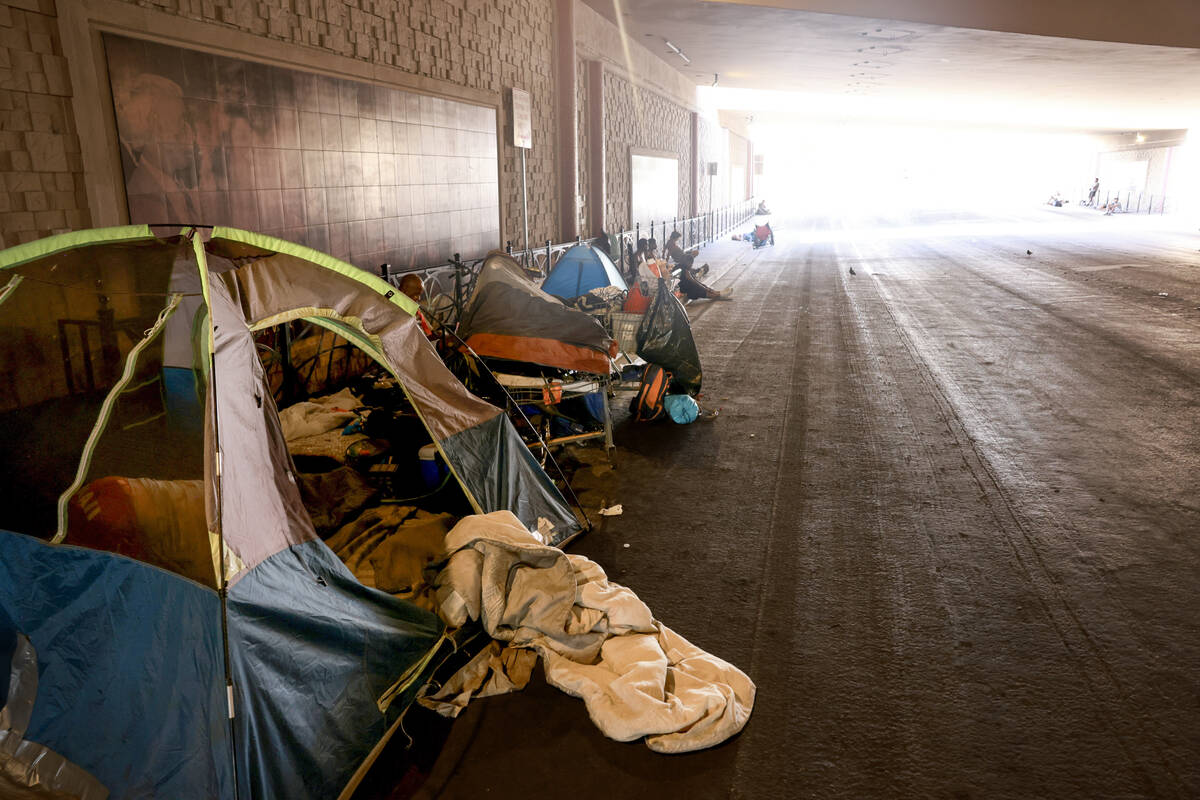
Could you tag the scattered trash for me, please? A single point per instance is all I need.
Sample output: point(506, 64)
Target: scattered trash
point(612, 511)
point(625, 545)
point(1163, 294)
point(752, 436)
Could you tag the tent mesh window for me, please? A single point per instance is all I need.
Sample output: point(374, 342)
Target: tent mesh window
point(101, 411)
point(382, 439)
point(302, 360)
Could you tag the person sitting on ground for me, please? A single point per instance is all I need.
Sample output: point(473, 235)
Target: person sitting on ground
point(762, 235)
point(1113, 207)
point(762, 208)
point(649, 268)
point(693, 289)
point(411, 287)
point(652, 249)
point(639, 255)
point(683, 258)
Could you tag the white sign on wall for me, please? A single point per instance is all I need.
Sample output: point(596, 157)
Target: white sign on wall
point(521, 111)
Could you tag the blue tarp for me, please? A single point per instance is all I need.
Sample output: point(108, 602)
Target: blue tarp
point(528, 493)
point(131, 683)
point(132, 680)
point(581, 269)
point(313, 651)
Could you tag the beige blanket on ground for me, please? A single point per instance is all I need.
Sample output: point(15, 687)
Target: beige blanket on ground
point(599, 642)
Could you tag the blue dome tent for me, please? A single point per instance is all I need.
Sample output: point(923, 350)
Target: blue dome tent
point(581, 269)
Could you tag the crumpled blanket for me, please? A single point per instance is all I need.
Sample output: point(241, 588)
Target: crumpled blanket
point(598, 641)
point(318, 415)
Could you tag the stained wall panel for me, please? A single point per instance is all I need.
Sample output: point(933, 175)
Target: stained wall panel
point(367, 173)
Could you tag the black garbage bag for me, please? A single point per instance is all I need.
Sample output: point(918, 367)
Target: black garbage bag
point(665, 338)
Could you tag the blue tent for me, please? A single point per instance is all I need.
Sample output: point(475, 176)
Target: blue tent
point(581, 269)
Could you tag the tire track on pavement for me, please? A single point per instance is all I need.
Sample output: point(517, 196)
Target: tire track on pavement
point(1091, 661)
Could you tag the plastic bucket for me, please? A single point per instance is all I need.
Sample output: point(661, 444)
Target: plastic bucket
point(433, 469)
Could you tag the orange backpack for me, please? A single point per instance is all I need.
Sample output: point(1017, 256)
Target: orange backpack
point(648, 405)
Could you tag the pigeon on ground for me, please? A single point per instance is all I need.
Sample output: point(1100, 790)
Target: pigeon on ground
point(852, 272)
point(1028, 252)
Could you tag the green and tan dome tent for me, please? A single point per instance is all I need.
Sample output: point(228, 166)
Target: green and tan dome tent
point(174, 625)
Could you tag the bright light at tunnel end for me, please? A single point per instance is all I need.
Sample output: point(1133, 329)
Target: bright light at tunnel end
point(840, 155)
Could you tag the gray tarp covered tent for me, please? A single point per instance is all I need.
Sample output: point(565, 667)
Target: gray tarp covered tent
point(509, 317)
point(203, 641)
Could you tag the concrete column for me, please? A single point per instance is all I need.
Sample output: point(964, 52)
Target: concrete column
point(697, 166)
point(567, 142)
point(749, 168)
point(598, 194)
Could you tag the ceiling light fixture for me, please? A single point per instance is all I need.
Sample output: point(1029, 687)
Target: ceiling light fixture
point(677, 52)
point(1140, 138)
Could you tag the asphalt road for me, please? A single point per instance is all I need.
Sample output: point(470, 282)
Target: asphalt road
point(947, 519)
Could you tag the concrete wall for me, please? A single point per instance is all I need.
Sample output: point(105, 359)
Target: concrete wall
point(41, 169)
point(1162, 22)
point(713, 148)
point(597, 38)
point(1158, 150)
point(583, 144)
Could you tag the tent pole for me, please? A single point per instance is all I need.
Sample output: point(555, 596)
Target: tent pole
point(218, 517)
point(223, 590)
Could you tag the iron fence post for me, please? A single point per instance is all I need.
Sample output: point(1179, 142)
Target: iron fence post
point(621, 250)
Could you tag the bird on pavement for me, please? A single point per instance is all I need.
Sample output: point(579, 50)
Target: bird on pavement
point(1028, 252)
point(852, 272)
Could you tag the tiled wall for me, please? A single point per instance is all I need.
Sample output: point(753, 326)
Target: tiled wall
point(367, 173)
point(480, 44)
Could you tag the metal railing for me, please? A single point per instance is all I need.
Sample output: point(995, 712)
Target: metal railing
point(1128, 202)
point(448, 286)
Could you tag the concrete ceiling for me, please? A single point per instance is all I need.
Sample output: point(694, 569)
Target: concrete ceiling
point(840, 65)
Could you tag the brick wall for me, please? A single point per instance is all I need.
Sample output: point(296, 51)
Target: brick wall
point(636, 117)
point(41, 171)
point(479, 44)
